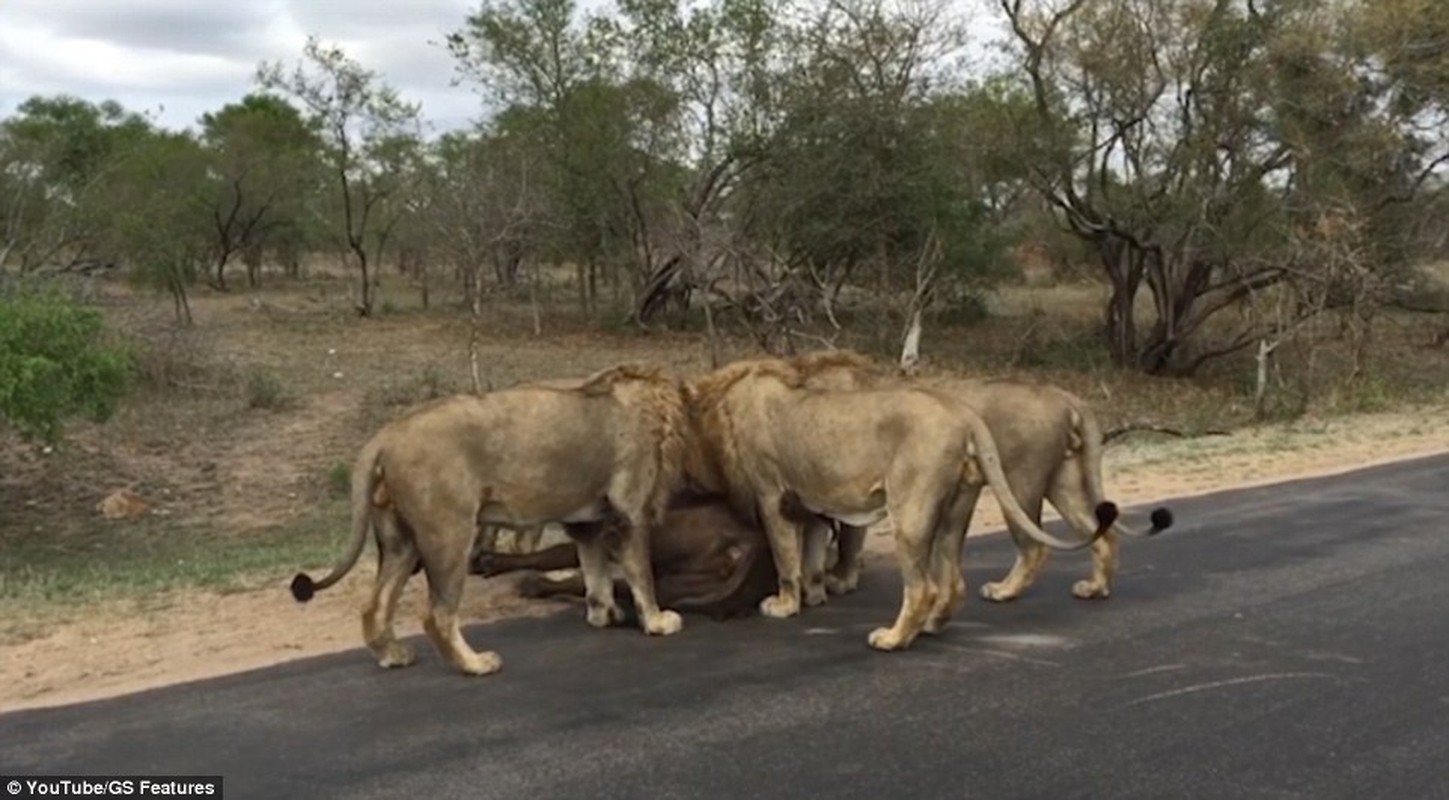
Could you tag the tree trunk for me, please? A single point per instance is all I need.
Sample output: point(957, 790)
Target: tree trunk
point(365, 299)
point(533, 298)
point(252, 260)
point(180, 302)
point(1119, 318)
point(911, 347)
point(581, 278)
point(1260, 389)
point(475, 331)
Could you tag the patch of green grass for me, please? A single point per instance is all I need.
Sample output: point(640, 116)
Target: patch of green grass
point(40, 575)
point(339, 479)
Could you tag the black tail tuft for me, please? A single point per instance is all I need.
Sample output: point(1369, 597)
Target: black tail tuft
point(1106, 514)
point(1161, 518)
point(302, 587)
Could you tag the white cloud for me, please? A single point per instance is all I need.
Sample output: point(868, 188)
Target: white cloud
point(181, 58)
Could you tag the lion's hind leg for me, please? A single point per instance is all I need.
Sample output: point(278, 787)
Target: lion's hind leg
point(638, 570)
point(397, 556)
point(1031, 556)
point(444, 550)
point(950, 538)
point(1069, 496)
point(915, 533)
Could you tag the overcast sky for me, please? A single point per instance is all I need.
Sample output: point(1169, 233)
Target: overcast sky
point(180, 58)
point(177, 59)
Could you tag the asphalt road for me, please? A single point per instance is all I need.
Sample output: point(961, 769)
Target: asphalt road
point(1287, 641)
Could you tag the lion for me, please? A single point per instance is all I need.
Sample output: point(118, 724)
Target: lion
point(1051, 449)
point(760, 436)
point(706, 560)
point(576, 452)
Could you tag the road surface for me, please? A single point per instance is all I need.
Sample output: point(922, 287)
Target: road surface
point(1285, 641)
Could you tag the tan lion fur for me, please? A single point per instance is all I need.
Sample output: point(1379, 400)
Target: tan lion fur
point(762, 435)
point(583, 453)
point(1050, 447)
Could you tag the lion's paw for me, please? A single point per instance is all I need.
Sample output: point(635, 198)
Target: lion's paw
point(665, 623)
point(838, 585)
point(1091, 590)
point(602, 616)
point(485, 663)
point(396, 654)
point(997, 592)
point(884, 639)
point(779, 607)
point(815, 594)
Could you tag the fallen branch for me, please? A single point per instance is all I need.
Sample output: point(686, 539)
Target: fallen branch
point(1137, 426)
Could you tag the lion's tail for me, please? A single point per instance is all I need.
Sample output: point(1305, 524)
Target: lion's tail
point(366, 472)
point(1084, 426)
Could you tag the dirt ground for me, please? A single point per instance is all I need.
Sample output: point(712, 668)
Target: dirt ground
point(193, 635)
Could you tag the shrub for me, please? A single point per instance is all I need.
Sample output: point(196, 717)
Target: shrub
point(54, 363)
point(265, 390)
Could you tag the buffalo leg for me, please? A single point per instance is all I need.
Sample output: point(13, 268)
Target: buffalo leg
point(559, 556)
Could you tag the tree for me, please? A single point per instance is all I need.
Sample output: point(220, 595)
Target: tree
point(561, 92)
point(159, 199)
point(361, 119)
point(1191, 142)
point(265, 158)
point(722, 64)
point(53, 153)
point(54, 363)
point(863, 179)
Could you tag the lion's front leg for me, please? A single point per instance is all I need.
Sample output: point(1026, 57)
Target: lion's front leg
point(639, 573)
point(785, 544)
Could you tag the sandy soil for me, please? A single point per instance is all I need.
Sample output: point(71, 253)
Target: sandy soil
point(194, 635)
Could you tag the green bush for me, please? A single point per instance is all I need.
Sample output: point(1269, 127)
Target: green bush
point(54, 363)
